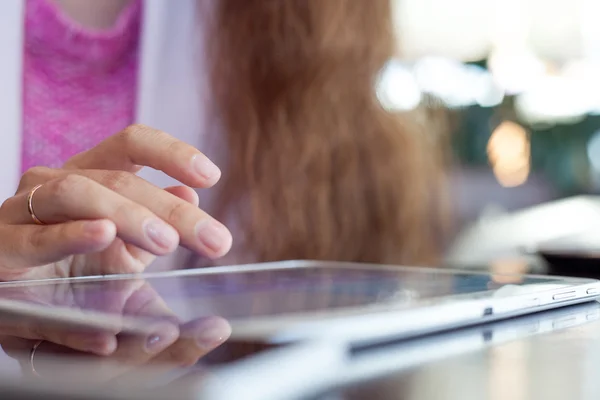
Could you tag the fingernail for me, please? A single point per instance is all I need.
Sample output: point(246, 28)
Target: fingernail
point(161, 234)
point(213, 235)
point(213, 335)
point(153, 343)
point(161, 339)
point(205, 168)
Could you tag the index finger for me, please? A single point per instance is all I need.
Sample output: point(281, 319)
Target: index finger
point(141, 146)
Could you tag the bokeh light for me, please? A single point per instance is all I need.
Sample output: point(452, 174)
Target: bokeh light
point(397, 88)
point(509, 154)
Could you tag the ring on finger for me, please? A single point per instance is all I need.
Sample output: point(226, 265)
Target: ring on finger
point(32, 356)
point(30, 206)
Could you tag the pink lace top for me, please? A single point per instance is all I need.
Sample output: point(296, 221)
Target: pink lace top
point(79, 85)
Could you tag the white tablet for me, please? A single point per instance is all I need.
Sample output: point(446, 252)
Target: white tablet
point(296, 300)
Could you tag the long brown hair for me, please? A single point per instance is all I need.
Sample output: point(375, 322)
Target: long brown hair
point(317, 168)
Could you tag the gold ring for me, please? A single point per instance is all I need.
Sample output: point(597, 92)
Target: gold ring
point(32, 355)
point(30, 205)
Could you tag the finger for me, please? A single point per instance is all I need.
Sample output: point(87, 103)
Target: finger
point(19, 337)
point(131, 352)
point(140, 145)
point(37, 176)
point(185, 193)
point(135, 349)
point(196, 339)
point(146, 302)
point(197, 230)
point(29, 246)
point(75, 197)
point(111, 297)
point(53, 362)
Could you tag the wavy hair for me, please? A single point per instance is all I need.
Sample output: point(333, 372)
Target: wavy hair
point(326, 171)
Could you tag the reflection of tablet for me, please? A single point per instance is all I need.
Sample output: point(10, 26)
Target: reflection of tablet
point(363, 371)
point(294, 300)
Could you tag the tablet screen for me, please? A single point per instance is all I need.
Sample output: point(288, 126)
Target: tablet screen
point(240, 293)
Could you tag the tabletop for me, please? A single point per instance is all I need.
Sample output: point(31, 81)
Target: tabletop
point(561, 364)
point(552, 355)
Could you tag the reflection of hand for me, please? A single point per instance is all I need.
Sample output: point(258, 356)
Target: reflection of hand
point(164, 341)
point(112, 220)
point(132, 354)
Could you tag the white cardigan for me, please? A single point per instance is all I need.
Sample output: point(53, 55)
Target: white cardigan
point(170, 92)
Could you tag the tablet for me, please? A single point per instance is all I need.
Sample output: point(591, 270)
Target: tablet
point(289, 301)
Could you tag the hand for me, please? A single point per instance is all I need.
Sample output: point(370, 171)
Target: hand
point(108, 351)
point(101, 218)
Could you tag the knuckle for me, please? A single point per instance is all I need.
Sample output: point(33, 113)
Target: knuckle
point(175, 147)
point(68, 184)
point(125, 210)
point(137, 128)
point(117, 180)
point(38, 331)
point(33, 176)
point(35, 172)
point(178, 212)
point(134, 132)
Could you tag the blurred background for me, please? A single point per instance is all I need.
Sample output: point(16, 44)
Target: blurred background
point(517, 84)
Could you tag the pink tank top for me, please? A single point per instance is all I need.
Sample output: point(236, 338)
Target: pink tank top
point(79, 85)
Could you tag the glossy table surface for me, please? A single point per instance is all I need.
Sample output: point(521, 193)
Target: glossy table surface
point(560, 364)
point(553, 355)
